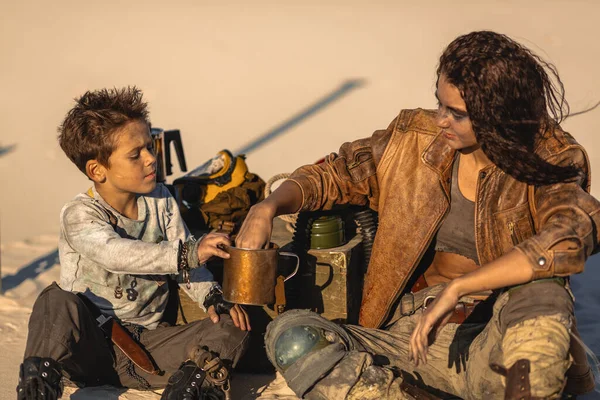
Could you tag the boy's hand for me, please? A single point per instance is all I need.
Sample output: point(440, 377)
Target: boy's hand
point(210, 246)
point(238, 315)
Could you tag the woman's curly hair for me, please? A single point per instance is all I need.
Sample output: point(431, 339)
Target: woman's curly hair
point(511, 101)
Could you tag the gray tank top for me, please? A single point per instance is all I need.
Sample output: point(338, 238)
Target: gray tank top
point(457, 233)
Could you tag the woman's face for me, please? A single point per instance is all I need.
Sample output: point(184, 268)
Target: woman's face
point(452, 116)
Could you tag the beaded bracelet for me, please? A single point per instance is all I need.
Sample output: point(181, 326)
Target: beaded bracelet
point(187, 258)
point(182, 263)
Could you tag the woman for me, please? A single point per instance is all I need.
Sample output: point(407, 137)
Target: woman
point(484, 212)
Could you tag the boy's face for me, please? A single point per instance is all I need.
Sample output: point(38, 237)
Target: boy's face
point(132, 163)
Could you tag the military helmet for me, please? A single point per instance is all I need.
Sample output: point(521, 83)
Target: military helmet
point(297, 341)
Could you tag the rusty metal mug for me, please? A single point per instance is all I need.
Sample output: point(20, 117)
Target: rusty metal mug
point(249, 275)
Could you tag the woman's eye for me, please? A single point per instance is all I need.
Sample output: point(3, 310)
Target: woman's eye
point(458, 117)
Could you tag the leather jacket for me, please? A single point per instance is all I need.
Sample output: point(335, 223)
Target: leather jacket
point(404, 173)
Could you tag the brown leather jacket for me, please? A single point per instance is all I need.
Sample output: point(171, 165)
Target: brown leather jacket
point(404, 173)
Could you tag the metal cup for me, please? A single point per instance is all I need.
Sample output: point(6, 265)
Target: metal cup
point(249, 275)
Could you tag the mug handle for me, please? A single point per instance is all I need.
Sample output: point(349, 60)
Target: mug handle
point(285, 253)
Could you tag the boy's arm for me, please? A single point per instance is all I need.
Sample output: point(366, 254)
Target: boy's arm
point(88, 232)
point(201, 279)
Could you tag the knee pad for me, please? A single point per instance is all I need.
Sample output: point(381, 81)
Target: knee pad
point(297, 333)
point(298, 341)
point(535, 299)
point(544, 342)
point(303, 347)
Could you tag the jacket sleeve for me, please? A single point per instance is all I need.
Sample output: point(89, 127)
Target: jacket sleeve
point(566, 221)
point(346, 177)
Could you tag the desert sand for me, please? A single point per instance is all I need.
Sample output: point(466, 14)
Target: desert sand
point(284, 82)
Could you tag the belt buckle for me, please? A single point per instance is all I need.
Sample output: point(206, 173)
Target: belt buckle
point(426, 301)
point(407, 298)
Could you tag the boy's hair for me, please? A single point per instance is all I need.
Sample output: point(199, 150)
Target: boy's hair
point(88, 131)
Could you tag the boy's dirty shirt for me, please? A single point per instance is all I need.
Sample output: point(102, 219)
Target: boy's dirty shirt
point(96, 257)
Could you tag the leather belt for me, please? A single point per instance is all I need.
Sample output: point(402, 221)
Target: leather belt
point(461, 312)
point(420, 284)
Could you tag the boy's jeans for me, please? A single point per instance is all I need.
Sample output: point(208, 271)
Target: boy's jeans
point(62, 328)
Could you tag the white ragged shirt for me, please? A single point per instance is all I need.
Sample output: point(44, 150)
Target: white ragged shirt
point(101, 250)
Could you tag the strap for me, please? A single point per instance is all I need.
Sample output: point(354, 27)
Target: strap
point(417, 392)
point(280, 301)
point(121, 338)
point(111, 217)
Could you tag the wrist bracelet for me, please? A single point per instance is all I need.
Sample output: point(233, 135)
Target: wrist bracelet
point(182, 263)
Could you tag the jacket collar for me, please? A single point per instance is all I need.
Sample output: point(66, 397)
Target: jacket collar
point(439, 156)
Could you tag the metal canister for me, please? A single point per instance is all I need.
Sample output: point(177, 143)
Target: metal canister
point(327, 232)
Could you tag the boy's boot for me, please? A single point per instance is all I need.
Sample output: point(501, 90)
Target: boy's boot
point(185, 383)
point(39, 379)
point(190, 382)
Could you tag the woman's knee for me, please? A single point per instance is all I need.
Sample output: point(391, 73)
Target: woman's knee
point(544, 342)
point(536, 299)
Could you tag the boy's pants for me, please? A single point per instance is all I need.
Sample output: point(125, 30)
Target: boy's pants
point(62, 328)
point(529, 322)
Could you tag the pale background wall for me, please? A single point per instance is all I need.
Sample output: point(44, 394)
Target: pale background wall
point(225, 73)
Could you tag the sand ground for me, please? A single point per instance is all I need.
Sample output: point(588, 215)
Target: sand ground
point(285, 82)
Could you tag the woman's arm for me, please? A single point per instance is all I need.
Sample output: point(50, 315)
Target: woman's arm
point(513, 268)
point(256, 229)
point(346, 177)
point(566, 221)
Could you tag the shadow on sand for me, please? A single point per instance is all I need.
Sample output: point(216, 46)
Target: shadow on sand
point(7, 149)
point(99, 393)
point(30, 271)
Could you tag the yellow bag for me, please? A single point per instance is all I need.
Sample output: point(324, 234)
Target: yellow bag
point(220, 173)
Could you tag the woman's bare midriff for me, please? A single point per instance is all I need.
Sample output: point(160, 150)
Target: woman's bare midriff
point(448, 266)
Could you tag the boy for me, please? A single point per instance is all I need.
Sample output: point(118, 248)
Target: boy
point(119, 244)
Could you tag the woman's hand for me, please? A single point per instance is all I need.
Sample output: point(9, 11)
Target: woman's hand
point(434, 317)
point(255, 232)
point(210, 246)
